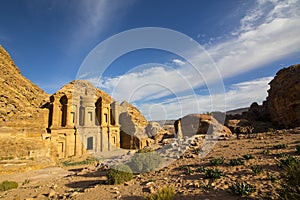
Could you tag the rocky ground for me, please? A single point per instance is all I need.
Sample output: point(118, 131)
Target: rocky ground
point(88, 182)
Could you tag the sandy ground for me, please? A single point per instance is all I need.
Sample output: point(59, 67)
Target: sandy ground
point(85, 182)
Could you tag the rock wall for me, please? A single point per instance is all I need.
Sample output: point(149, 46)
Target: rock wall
point(20, 100)
point(283, 101)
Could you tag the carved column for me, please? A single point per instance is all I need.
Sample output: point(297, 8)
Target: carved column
point(56, 113)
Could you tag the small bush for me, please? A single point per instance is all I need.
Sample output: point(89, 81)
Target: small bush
point(187, 170)
point(248, 156)
point(119, 174)
point(280, 146)
point(166, 193)
point(236, 162)
point(266, 152)
point(289, 161)
point(242, 189)
point(145, 161)
point(201, 169)
point(8, 185)
point(256, 169)
point(197, 151)
point(217, 161)
point(271, 177)
point(281, 155)
point(290, 185)
point(213, 173)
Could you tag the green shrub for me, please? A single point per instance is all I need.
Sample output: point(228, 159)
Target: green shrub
point(8, 185)
point(248, 156)
point(145, 162)
point(281, 155)
point(256, 169)
point(266, 152)
point(197, 151)
point(166, 193)
point(201, 169)
point(290, 185)
point(271, 177)
point(213, 173)
point(217, 161)
point(289, 161)
point(242, 189)
point(236, 162)
point(119, 174)
point(188, 170)
point(280, 146)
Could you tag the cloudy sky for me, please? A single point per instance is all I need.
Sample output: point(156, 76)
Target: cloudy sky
point(241, 46)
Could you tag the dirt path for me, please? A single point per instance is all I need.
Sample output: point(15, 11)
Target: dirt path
point(89, 183)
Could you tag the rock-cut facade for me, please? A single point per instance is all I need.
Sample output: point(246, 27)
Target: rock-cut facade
point(82, 119)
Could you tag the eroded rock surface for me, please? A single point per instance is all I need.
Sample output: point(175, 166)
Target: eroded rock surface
point(20, 100)
point(283, 101)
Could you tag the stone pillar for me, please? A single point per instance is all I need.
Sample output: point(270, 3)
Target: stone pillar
point(69, 113)
point(56, 114)
point(115, 112)
point(179, 133)
point(98, 144)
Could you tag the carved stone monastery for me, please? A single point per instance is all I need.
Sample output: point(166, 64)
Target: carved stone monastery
point(82, 117)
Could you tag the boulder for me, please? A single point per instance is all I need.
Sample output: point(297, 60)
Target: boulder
point(200, 124)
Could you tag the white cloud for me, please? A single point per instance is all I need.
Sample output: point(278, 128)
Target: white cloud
point(94, 16)
point(148, 84)
point(267, 33)
point(178, 62)
point(238, 96)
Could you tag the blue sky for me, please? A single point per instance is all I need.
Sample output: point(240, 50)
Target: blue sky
point(249, 41)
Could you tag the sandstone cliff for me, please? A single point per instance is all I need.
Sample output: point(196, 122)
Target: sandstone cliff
point(20, 100)
point(283, 101)
point(282, 106)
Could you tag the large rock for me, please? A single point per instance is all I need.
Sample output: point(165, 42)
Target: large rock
point(283, 101)
point(20, 100)
point(193, 124)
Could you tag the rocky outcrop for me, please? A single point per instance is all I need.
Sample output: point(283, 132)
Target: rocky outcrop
point(20, 100)
point(282, 106)
point(136, 130)
point(200, 124)
point(283, 101)
point(136, 116)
